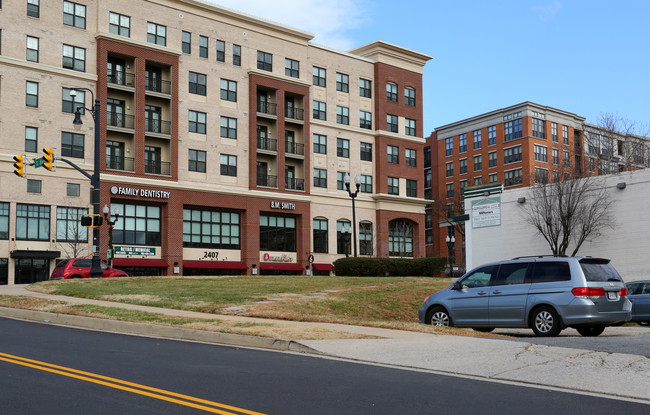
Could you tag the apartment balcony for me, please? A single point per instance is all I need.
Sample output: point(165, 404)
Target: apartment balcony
point(153, 125)
point(158, 86)
point(266, 180)
point(294, 184)
point(120, 163)
point(294, 148)
point(268, 144)
point(120, 120)
point(295, 114)
point(121, 79)
point(162, 168)
point(269, 108)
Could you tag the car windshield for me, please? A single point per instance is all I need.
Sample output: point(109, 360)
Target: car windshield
point(597, 270)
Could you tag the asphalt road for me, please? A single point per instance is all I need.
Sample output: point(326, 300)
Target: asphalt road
point(103, 373)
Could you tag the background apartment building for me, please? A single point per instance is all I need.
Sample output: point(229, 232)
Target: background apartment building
point(224, 140)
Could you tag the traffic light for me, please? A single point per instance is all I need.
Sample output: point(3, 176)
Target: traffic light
point(19, 165)
point(49, 158)
point(92, 221)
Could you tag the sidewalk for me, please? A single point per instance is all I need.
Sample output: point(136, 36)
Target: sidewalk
point(612, 375)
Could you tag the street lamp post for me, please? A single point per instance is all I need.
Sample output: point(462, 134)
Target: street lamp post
point(357, 182)
point(116, 216)
point(95, 269)
point(450, 252)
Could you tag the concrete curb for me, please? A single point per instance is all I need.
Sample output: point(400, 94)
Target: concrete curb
point(155, 330)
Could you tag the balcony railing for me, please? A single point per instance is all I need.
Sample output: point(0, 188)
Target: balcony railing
point(120, 163)
point(267, 180)
point(153, 125)
point(267, 108)
point(118, 119)
point(121, 78)
point(157, 167)
point(294, 148)
point(295, 114)
point(264, 143)
point(164, 87)
point(294, 184)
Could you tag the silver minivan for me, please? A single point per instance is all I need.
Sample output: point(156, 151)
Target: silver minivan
point(546, 293)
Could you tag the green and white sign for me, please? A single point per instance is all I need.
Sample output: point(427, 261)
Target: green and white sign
point(486, 212)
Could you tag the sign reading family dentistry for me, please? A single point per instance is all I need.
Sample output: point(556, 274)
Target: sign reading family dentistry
point(283, 205)
point(486, 212)
point(134, 191)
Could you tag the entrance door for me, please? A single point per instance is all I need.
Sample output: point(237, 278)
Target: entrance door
point(152, 118)
point(261, 103)
point(29, 271)
point(114, 155)
point(262, 173)
point(116, 71)
point(290, 106)
point(290, 177)
point(152, 159)
point(290, 141)
point(115, 112)
point(153, 77)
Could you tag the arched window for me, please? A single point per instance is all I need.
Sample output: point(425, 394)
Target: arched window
point(320, 235)
point(400, 238)
point(365, 238)
point(343, 236)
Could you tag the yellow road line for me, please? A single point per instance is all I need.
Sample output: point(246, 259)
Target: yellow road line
point(129, 386)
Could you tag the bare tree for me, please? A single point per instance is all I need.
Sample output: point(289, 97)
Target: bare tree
point(569, 211)
point(71, 237)
point(444, 208)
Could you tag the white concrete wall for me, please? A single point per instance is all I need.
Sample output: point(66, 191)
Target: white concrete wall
point(627, 243)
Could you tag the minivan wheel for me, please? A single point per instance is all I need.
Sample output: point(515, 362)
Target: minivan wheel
point(590, 331)
point(438, 316)
point(546, 322)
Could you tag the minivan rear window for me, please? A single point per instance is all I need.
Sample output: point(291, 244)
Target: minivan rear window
point(551, 272)
point(599, 270)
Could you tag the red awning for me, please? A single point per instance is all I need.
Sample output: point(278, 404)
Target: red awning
point(322, 267)
point(215, 264)
point(140, 262)
point(272, 266)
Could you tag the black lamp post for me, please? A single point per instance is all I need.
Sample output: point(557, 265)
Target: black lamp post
point(96, 268)
point(116, 216)
point(450, 253)
point(357, 181)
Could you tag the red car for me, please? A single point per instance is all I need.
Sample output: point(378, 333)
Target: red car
point(80, 268)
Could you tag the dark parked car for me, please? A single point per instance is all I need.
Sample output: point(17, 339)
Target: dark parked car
point(639, 295)
point(80, 268)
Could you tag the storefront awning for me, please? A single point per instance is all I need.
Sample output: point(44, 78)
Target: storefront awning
point(140, 262)
point(322, 267)
point(29, 253)
point(215, 264)
point(272, 266)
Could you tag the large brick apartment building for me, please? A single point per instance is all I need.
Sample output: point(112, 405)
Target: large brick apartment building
point(224, 140)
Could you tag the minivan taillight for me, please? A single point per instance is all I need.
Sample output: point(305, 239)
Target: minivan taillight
point(588, 291)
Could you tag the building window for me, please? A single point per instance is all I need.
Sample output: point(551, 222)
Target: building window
point(540, 153)
point(320, 144)
point(411, 188)
point(556, 158)
point(68, 224)
point(449, 146)
point(409, 127)
point(319, 75)
point(462, 166)
point(392, 123)
point(462, 143)
point(450, 190)
point(565, 135)
point(264, 61)
point(492, 178)
point(393, 186)
point(277, 233)
point(365, 238)
point(157, 34)
point(228, 165)
point(196, 161)
point(365, 88)
point(197, 121)
point(74, 14)
point(72, 145)
point(32, 49)
point(449, 169)
point(340, 182)
point(478, 162)
point(391, 91)
point(33, 186)
point(31, 94)
point(73, 189)
point(409, 96)
point(477, 139)
point(342, 115)
point(198, 83)
point(228, 127)
point(343, 237)
point(512, 177)
point(366, 184)
point(554, 132)
point(365, 119)
point(236, 54)
point(320, 178)
point(392, 153)
point(410, 157)
point(400, 238)
point(320, 110)
point(33, 8)
point(541, 175)
point(513, 129)
point(74, 58)
point(512, 155)
point(539, 128)
point(228, 90)
point(211, 229)
point(221, 51)
point(320, 236)
point(463, 185)
point(567, 161)
point(342, 82)
point(492, 159)
point(478, 180)
point(366, 151)
point(119, 24)
point(31, 139)
point(203, 46)
point(343, 147)
point(70, 104)
point(32, 222)
point(4, 220)
point(492, 135)
point(291, 68)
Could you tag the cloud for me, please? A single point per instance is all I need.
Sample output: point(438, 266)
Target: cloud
point(329, 20)
point(547, 12)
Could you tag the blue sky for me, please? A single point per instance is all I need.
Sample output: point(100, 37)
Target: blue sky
point(588, 57)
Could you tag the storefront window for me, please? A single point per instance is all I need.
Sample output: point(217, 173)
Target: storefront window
point(400, 238)
point(68, 225)
point(210, 229)
point(138, 225)
point(277, 233)
point(32, 222)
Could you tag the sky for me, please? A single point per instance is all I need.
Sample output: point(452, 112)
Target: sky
point(587, 57)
